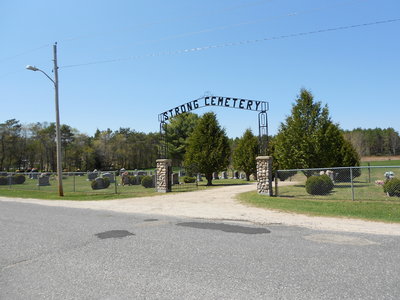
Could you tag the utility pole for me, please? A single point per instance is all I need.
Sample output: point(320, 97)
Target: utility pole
point(58, 134)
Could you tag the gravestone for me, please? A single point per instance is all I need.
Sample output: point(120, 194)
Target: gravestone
point(110, 177)
point(125, 178)
point(236, 175)
point(215, 175)
point(92, 176)
point(199, 178)
point(34, 175)
point(331, 175)
point(242, 175)
point(224, 175)
point(43, 180)
point(175, 178)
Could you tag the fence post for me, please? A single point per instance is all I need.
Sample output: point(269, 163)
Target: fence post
point(369, 173)
point(164, 171)
point(264, 175)
point(115, 182)
point(276, 183)
point(352, 185)
point(10, 178)
point(73, 177)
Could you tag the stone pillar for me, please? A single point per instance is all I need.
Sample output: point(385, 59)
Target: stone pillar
point(164, 169)
point(264, 175)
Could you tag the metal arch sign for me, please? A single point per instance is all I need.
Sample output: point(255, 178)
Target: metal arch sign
point(208, 101)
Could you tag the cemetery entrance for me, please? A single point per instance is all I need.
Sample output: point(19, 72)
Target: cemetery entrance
point(208, 101)
point(168, 178)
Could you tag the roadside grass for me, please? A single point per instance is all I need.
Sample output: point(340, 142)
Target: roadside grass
point(367, 210)
point(78, 188)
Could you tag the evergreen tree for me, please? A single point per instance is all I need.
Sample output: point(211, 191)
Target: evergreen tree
point(177, 133)
point(245, 153)
point(208, 147)
point(309, 139)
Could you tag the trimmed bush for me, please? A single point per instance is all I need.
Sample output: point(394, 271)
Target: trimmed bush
point(343, 175)
point(106, 182)
point(100, 183)
point(147, 181)
point(135, 180)
point(3, 180)
point(188, 179)
point(132, 180)
point(392, 187)
point(19, 179)
point(319, 185)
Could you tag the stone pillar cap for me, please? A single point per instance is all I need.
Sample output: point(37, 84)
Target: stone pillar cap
point(163, 160)
point(263, 157)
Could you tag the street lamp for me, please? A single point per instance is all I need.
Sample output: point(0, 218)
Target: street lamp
point(58, 135)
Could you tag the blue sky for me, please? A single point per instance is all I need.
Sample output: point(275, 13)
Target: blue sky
point(356, 71)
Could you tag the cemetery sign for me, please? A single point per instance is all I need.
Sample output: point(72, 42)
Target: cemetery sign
point(245, 104)
point(209, 101)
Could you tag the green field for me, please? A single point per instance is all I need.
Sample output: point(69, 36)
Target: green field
point(382, 163)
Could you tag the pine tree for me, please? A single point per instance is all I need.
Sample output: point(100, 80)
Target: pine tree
point(177, 133)
point(208, 147)
point(245, 153)
point(309, 138)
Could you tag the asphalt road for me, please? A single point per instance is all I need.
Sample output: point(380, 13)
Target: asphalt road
point(65, 253)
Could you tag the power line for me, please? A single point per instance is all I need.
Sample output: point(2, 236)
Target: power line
point(137, 28)
point(249, 4)
point(244, 42)
point(169, 20)
point(223, 27)
point(25, 52)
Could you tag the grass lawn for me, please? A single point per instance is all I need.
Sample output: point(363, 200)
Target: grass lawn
point(78, 188)
point(368, 210)
point(371, 203)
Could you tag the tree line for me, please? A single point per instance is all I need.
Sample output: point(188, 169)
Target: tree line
point(23, 147)
point(308, 138)
point(374, 142)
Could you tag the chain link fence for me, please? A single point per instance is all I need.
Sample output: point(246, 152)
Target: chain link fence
point(99, 182)
point(184, 179)
point(366, 183)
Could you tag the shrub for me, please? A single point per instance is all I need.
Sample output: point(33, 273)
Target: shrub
point(100, 183)
point(106, 182)
point(188, 179)
point(132, 180)
point(147, 181)
point(3, 180)
point(283, 175)
point(136, 180)
point(343, 175)
point(392, 187)
point(19, 179)
point(319, 185)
